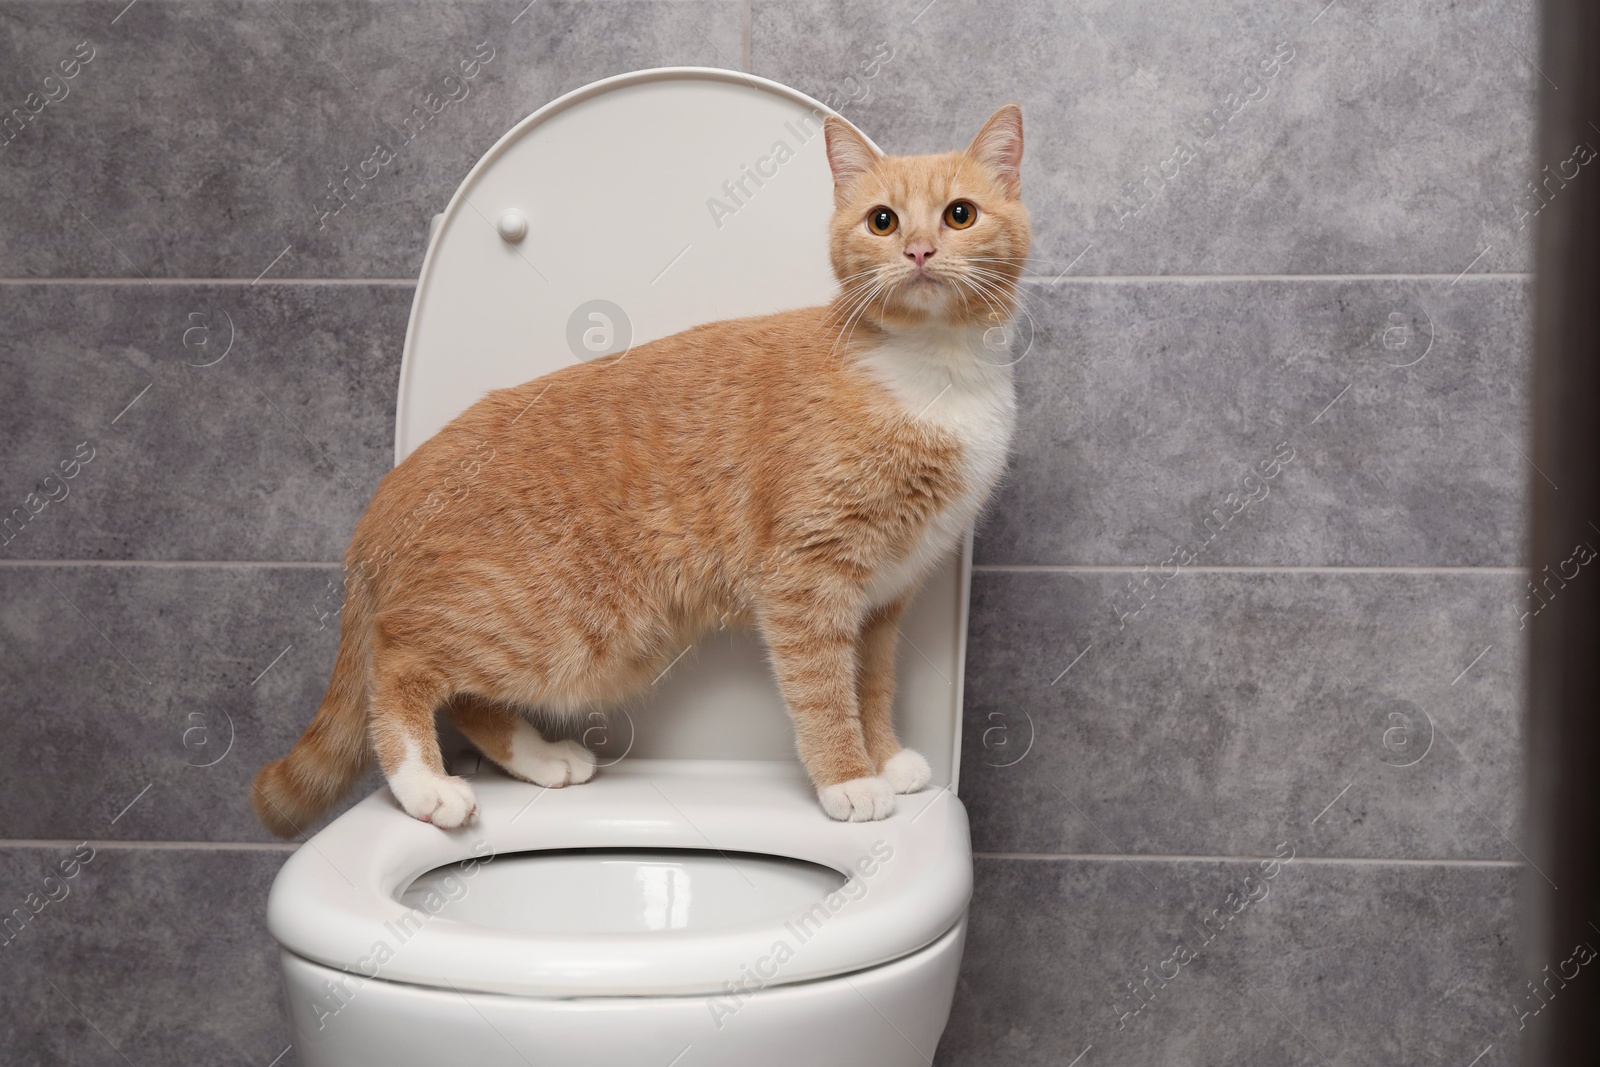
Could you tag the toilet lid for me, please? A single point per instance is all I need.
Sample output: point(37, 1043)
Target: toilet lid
point(658, 201)
point(338, 900)
point(625, 211)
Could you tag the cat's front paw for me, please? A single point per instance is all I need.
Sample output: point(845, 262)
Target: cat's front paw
point(906, 771)
point(858, 800)
point(444, 801)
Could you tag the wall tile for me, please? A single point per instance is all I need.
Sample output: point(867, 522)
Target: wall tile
point(200, 138)
point(1144, 404)
point(1197, 729)
point(1421, 954)
point(142, 700)
point(1360, 715)
point(1394, 139)
point(1336, 963)
point(145, 957)
point(269, 452)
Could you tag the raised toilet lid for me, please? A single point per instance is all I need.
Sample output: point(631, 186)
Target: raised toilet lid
point(649, 203)
point(749, 838)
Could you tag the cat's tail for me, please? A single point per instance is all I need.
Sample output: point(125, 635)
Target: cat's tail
point(291, 793)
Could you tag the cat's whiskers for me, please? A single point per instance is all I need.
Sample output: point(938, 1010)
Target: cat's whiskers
point(879, 285)
point(852, 296)
point(849, 287)
point(998, 292)
point(977, 264)
point(1021, 265)
point(1019, 306)
point(999, 279)
point(971, 284)
point(853, 281)
point(1006, 295)
point(847, 279)
point(997, 312)
point(856, 299)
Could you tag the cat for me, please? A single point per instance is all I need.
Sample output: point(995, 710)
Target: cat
point(800, 473)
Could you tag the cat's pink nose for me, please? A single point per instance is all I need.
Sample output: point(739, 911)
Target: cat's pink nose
point(922, 251)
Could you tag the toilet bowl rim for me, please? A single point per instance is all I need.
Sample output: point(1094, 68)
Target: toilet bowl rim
point(335, 912)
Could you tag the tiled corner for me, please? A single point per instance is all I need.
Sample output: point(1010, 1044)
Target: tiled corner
point(204, 139)
point(141, 956)
point(1207, 713)
point(143, 699)
point(220, 422)
point(1367, 422)
point(1245, 137)
point(1361, 965)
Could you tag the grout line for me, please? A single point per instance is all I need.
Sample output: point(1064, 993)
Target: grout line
point(241, 282)
point(159, 563)
point(1322, 860)
point(1050, 282)
point(1123, 568)
point(158, 846)
point(749, 20)
point(290, 846)
point(1043, 282)
point(978, 568)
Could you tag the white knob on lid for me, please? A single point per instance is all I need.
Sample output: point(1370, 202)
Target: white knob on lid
point(512, 225)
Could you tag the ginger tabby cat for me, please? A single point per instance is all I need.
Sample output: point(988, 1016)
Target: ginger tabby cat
point(799, 472)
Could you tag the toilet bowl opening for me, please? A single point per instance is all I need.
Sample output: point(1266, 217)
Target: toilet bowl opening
point(622, 890)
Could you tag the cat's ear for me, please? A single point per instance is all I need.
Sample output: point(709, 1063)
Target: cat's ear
point(998, 146)
point(849, 155)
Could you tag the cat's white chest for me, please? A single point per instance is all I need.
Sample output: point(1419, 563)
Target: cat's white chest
point(949, 381)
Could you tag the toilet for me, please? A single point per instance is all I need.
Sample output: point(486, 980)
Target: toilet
point(692, 906)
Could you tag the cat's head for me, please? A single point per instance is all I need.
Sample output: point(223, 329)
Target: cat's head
point(929, 239)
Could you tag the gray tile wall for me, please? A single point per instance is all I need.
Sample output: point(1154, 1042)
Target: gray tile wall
point(1180, 664)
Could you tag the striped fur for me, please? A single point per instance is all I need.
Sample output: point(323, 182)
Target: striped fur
point(559, 542)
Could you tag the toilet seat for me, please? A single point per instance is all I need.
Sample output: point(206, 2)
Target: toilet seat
point(335, 902)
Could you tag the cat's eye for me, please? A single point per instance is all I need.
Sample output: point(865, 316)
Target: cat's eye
point(882, 221)
point(960, 214)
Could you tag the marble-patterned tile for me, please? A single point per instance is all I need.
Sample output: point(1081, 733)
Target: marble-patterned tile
point(1232, 137)
point(1378, 711)
point(1279, 964)
point(1369, 423)
point(195, 422)
point(1135, 422)
point(1254, 964)
point(142, 700)
point(1202, 713)
point(206, 139)
point(140, 956)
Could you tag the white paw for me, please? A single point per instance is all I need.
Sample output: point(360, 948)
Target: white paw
point(906, 771)
point(432, 797)
point(858, 800)
point(551, 764)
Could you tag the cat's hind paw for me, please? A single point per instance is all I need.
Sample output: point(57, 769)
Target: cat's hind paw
point(858, 800)
point(435, 798)
point(906, 771)
point(551, 764)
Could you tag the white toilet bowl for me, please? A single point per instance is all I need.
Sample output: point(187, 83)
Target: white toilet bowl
point(674, 913)
point(692, 906)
